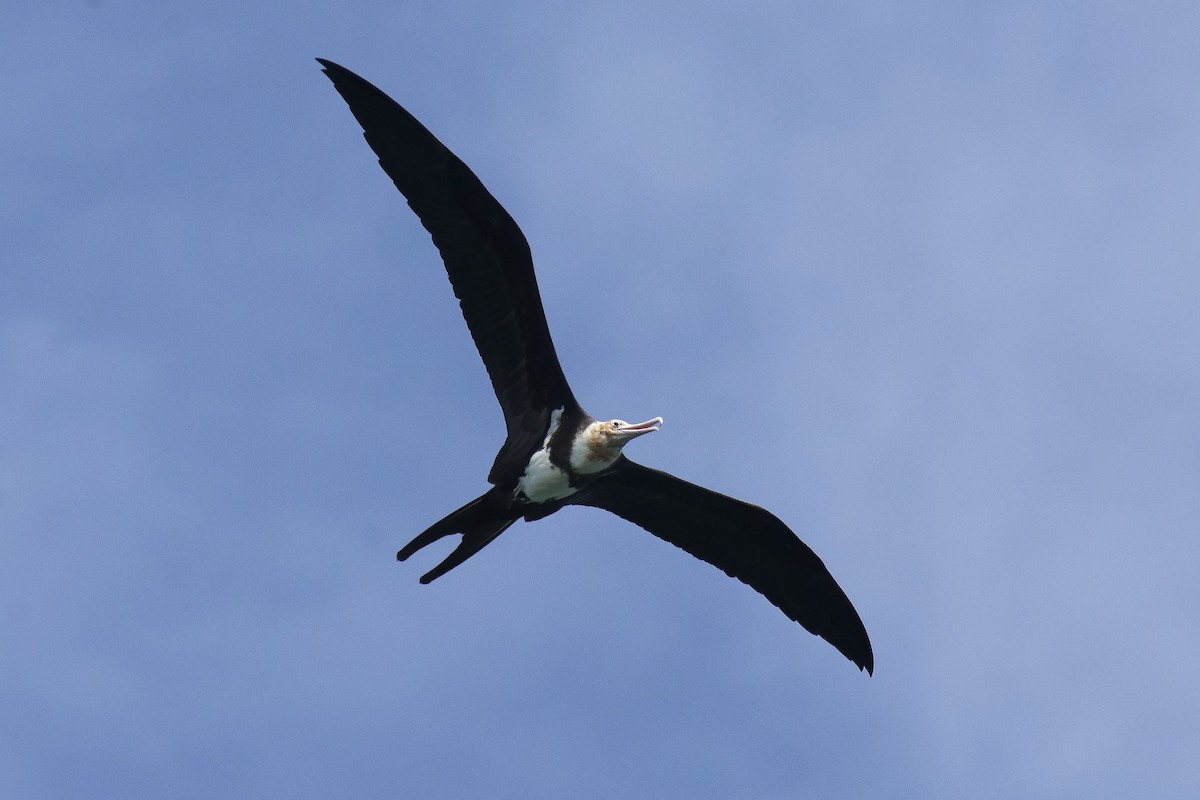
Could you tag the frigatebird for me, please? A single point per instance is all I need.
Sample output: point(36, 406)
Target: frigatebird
point(556, 454)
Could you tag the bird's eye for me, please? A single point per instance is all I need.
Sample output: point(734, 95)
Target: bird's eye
point(615, 424)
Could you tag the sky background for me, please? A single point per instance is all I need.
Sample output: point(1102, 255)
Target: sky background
point(923, 279)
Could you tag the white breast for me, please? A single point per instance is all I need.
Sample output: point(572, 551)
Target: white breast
point(542, 480)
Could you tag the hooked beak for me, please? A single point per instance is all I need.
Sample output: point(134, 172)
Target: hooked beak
point(627, 431)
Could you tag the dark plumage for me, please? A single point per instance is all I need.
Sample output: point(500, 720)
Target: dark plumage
point(555, 453)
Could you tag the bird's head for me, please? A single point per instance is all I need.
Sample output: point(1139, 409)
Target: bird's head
point(601, 442)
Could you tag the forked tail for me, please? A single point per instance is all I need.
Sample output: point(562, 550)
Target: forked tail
point(479, 521)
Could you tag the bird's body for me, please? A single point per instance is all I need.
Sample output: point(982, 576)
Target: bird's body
point(572, 451)
point(555, 453)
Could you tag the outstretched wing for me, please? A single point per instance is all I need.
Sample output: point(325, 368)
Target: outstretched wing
point(746, 542)
point(486, 257)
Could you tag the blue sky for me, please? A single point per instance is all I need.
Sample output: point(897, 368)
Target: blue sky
point(922, 280)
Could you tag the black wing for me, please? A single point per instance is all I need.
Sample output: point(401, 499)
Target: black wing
point(486, 257)
point(747, 542)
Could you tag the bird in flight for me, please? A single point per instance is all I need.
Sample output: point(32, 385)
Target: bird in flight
point(555, 453)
